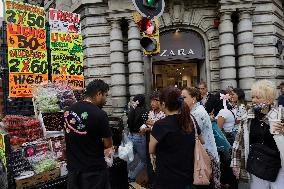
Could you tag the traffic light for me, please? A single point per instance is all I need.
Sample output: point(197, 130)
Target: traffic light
point(150, 36)
point(150, 8)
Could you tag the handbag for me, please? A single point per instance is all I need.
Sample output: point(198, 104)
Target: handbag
point(202, 162)
point(263, 162)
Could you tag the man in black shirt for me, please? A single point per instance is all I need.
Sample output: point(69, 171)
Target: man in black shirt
point(88, 135)
point(281, 96)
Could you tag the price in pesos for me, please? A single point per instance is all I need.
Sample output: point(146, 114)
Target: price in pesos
point(67, 69)
point(28, 66)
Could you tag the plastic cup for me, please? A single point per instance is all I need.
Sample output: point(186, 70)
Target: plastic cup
point(272, 128)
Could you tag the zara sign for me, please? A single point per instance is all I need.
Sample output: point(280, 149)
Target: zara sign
point(183, 45)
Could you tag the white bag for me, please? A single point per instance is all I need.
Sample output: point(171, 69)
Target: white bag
point(125, 150)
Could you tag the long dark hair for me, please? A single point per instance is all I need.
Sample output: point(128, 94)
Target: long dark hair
point(241, 95)
point(136, 115)
point(218, 105)
point(171, 96)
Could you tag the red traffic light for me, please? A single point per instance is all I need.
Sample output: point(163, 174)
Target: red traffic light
point(146, 26)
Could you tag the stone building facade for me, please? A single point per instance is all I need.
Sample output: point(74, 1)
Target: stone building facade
point(239, 40)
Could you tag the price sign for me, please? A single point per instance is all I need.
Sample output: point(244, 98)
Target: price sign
point(27, 55)
point(20, 85)
point(25, 14)
point(63, 21)
point(76, 81)
point(66, 48)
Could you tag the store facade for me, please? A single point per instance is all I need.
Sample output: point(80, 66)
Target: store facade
point(224, 43)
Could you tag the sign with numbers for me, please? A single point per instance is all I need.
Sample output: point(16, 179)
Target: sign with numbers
point(66, 48)
point(27, 55)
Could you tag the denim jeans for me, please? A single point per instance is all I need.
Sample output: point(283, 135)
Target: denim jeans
point(139, 148)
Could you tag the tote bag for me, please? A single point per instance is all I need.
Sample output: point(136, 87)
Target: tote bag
point(202, 162)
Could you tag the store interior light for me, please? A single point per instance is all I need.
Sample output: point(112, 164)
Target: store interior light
point(177, 30)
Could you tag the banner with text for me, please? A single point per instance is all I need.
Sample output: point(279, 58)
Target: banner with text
point(66, 48)
point(27, 54)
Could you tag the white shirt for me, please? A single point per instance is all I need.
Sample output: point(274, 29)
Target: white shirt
point(229, 119)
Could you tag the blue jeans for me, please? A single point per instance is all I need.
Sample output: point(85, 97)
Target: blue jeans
point(139, 148)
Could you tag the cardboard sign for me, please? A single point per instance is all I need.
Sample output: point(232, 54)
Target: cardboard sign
point(66, 48)
point(27, 55)
point(65, 42)
point(77, 81)
point(63, 21)
point(20, 85)
point(25, 14)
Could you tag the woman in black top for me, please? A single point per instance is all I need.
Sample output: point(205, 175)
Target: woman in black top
point(136, 118)
point(172, 140)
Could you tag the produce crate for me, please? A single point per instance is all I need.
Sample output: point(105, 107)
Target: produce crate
point(38, 179)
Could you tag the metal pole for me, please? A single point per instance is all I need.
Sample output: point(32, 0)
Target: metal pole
point(148, 78)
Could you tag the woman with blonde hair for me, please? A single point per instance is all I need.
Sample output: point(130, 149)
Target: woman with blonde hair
point(256, 155)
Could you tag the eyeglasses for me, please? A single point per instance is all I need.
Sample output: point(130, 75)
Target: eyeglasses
point(201, 88)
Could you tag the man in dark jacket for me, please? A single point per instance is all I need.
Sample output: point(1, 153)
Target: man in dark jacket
point(208, 99)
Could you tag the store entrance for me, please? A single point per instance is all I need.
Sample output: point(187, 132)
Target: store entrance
point(180, 74)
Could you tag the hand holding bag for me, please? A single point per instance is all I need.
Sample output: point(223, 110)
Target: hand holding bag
point(202, 162)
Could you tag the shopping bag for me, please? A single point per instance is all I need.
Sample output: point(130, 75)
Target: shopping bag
point(125, 150)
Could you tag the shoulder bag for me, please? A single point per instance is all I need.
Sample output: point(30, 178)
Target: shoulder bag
point(202, 162)
point(263, 162)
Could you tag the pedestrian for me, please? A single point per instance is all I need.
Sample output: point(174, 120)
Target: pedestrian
point(256, 151)
point(173, 140)
point(281, 96)
point(208, 99)
point(192, 98)
point(88, 136)
point(137, 117)
point(237, 99)
point(154, 115)
point(226, 122)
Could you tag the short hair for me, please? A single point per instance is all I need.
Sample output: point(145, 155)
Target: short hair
point(281, 84)
point(193, 92)
point(265, 89)
point(202, 83)
point(96, 86)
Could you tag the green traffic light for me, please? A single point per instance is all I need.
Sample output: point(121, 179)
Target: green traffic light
point(151, 2)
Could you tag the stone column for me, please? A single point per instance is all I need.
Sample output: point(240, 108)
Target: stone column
point(118, 80)
point(227, 51)
point(245, 51)
point(135, 61)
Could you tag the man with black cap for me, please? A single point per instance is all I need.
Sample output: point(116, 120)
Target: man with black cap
point(88, 136)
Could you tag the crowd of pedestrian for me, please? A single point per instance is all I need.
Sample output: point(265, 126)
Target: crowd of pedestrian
point(244, 141)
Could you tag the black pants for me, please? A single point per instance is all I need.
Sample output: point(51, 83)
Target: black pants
point(88, 180)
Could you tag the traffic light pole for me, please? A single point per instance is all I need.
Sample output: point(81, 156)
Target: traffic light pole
point(148, 78)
